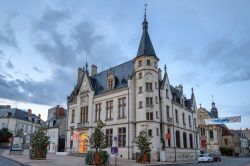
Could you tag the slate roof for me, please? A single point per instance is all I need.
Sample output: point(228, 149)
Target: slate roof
point(121, 72)
point(99, 82)
point(57, 122)
point(17, 114)
point(145, 46)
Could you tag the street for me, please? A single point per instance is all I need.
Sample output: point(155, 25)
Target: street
point(227, 162)
point(6, 162)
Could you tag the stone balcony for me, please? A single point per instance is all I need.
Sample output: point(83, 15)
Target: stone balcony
point(83, 125)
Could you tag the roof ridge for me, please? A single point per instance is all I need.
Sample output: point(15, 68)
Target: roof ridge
point(112, 67)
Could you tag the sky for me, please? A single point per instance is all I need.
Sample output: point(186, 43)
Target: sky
point(205, 45)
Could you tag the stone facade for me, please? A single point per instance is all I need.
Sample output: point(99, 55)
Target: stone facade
point(131, 97)
point(212, 137)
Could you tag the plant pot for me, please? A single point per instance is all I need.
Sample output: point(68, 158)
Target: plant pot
point(145, 158)
point(96, 159)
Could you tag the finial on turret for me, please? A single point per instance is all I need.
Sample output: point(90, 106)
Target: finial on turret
point(145, 22)
point(192, 89)
point(165, 68)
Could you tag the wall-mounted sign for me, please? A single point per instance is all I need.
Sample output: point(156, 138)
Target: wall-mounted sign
point(114, 150)
point(168, 136)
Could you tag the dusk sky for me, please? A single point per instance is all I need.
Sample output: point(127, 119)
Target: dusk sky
point(205, 45)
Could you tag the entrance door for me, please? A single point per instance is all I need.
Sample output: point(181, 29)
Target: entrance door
point(83, 143)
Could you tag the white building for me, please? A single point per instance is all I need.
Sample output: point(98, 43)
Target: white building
point(15, 119)
point(129, 97)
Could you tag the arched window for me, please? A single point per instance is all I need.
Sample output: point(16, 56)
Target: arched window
point(178, 141)
point(191, 141)
point(211, 134)
point(185, 140)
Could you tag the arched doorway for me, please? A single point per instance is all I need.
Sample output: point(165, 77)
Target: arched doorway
point(83, 143)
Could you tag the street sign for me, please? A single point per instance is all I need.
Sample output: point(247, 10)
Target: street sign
point(114, 150)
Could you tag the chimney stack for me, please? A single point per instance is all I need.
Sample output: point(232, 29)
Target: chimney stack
point(80, 74)
point(39, 116)
point(29, 112)
point(93, 70)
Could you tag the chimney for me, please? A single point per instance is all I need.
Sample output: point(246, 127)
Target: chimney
point(80, 74)
point(93, 70)
point(29, 112)
point(39, 116)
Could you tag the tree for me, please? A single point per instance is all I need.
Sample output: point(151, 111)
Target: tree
point(97, 139)
point(19, 133)
point(39, 143)
point(143, 142)
point(5, 135)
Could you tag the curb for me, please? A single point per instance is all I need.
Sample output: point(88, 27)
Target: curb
point(18, 162)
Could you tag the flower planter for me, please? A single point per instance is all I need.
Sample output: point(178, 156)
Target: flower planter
point(96, 159)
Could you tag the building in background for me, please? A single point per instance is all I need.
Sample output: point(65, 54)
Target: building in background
point(128, 98)
point(56, 123)
point(213, 136)
point(15, 119)
point(241, 142)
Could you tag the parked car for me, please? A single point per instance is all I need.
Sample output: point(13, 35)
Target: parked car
point(216, 157)
point(205, 158)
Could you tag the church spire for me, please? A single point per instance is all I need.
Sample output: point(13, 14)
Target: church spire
point(145, 46)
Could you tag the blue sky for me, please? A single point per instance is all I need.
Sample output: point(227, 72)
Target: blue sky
point(205, 45)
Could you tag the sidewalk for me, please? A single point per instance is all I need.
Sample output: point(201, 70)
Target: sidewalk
point(64, 160)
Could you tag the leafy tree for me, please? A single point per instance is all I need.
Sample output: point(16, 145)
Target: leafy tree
point(97, 139)
point(5, 135)
point(19, 133)
point(39, 143)
point(143, 142)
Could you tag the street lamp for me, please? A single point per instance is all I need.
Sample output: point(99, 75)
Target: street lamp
point(7, 115)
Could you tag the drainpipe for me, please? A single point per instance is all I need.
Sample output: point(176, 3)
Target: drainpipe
point(128, 126)
point(173, 132)
point(195, 142)
point(161, 124)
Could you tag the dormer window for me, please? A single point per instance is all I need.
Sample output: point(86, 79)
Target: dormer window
point(124, 81)
point(148, 62)
point(110, 84)
point(111, 81)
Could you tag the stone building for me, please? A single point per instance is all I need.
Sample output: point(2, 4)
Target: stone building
point(128, 98)
point(15, 119)
point(213, 136)
point(56, 123)
point(240, 140)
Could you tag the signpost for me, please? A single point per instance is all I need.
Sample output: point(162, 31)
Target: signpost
point(17, 145)
point(114, 149)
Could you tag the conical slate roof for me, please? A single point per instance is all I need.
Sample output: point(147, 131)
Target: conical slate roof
point(145, 47)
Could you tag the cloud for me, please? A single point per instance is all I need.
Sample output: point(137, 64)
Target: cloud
point(65, 49)
point(41, 92)
point(231, 58)
point(85, 37)
point(37, 70)
point(8, 36)
point(9, 65)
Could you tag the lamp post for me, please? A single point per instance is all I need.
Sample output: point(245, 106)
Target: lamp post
point(7, 115)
